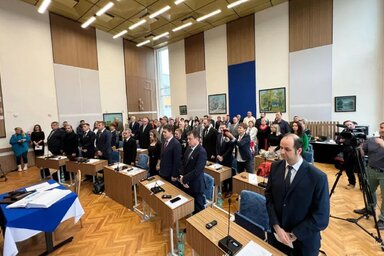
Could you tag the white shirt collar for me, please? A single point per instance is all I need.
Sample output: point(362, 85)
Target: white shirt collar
point(297, 165)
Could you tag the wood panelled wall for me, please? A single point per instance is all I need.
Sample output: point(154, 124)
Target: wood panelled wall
point(194, 53)
point(241, 40)
point(140, 79)
point(310, 23)
point(73, 45)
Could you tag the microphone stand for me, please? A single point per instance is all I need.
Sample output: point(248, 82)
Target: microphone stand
point(228, 244)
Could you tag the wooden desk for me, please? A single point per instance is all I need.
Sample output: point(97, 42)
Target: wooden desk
point(169, 217)
point(259, 160)
point(90, 168)
point(241, 182)
point(219, 176)
point(205, 241)
point(118, 184)
point(56, 163)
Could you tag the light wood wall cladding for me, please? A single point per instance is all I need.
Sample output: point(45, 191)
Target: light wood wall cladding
point(73, 45)
point(241, 40)
point(310, 23)
point(140, 79)
point(194, 53)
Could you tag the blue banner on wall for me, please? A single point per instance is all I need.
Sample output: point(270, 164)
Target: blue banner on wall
point(242, 88)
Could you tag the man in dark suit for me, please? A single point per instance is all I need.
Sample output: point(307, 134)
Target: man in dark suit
point(144, 134)
point(170, 157)
point(70, 142)
point(284, 125)
point(297, 201)
point(192, 172)
point(55, 139)
point(87, 142)
point(224, 149)
point(209, 140)
point(103, 142)
point(129, 147)
point(134, 126)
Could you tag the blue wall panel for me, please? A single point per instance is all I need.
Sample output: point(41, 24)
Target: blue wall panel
point(242, 88)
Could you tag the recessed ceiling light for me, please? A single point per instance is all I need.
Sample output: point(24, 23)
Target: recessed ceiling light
point(143, 43)
point(160, 36)
point(182, 26)
point(179, 2)
point(88, 22)
point(105, 8)
point(236, 3)
point(162, 10)
point(209, 15)
point(137, 24)
point(44, 5)
point(120, 34)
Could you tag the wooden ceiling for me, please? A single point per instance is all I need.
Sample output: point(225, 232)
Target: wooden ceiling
point(125, 13)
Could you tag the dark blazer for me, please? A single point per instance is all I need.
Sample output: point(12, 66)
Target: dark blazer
point(115, 139)
point(244, 147)
point(225, 150)
point(144, 136)
point(87, 142)
point(303, 209)
point(209, 142)
point(284, 126)
point(134, 128)
point(130, 150)
point(193, 169)
point(71, 144)
point(103, 144)
point(55, 141)
point(170, 159)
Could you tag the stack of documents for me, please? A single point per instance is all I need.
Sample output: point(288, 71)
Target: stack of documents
point(41, 199)
point(253, 249)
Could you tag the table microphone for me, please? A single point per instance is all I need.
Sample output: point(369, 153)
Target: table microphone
point(228, 244)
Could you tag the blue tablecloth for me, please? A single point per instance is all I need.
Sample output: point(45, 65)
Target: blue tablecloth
point(43, 219)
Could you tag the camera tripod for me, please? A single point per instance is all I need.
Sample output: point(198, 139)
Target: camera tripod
point(367, 195)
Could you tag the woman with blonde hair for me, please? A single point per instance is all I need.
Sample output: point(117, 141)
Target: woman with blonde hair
point(19, 142)
point(274, 138)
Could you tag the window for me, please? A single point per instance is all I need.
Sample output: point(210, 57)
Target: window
point(163, 84)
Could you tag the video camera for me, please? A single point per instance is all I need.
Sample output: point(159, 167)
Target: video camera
point(355, 135)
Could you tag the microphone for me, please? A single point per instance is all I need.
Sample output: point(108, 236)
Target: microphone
point(228, 244)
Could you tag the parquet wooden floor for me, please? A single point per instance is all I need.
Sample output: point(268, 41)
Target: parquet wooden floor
point(111, 229)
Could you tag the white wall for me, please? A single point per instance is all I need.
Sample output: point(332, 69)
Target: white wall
point(177, 77)
point(26, 68)
point(272, 51)
point(110, 57)
point(216, 65)
point(357, 58)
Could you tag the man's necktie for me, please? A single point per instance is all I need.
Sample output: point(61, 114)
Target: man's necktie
point(288, 177)
point(165, 144)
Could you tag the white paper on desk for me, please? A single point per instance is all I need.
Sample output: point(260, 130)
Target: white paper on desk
point(252, 178)
point(253, 249)
point(91, 161)
point(42, 186)
point(141, 150)
point(177, 203)
point(154, 183)
point(216, 166)
point(43, 199)
point(120, 165)
point(278, 239)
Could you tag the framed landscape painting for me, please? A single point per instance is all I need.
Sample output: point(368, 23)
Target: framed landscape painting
point(183, 110)
point(217, 104)
point(272, 100)
point(108, 118)
point(345, 104)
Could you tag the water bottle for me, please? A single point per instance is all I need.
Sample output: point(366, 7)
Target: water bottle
point(180, 244)
point(62, 177)
point(219, 199)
